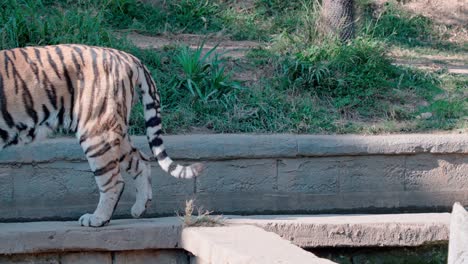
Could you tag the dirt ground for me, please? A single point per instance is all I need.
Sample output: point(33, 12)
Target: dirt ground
point(451, 14)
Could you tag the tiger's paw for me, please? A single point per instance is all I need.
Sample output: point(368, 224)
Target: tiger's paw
point(138, 209)
point(91, 220)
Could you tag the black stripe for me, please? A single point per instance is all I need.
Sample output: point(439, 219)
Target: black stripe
point(103, 107)
point(32, 133)
point(80, 52)
point(153, 121)
point(38, 56)
point(13, 53)
point(129, 165)
point(5, 62)
point(138, 174)
point(151, 105)
point(123, 157)
point(51, 93)
point(95, 82)
point(3, 105)
point(95, 146)
point(68, 81)
point(53, 64)
point(4, 135)
point(83, 137)
point(172, 167)
point(110, 166)
point(31, 64)
point(108, 182)
point(61, 112)
point(46, 114)
point(25, 55)
point(162, 155)
point(29, 102)
point(21, 126)
point(105, 148)
point(12, 142)
point(156, 142)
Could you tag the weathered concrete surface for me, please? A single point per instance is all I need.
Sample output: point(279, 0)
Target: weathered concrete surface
point(165, 233)
point(251, 174)
point(151, 256)
point(93, 257)
point(243, 245)
point(354, 230)
point(458, 243)
point(86, 258)
point(119, 235)
point(230, 146)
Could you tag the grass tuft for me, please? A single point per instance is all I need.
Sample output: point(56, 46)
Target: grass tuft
point(202, 218)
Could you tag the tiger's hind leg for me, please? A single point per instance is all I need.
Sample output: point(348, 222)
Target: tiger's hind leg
point(136, 164)
point(103, 153)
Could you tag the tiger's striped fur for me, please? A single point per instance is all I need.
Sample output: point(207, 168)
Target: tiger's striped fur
point(90, 91)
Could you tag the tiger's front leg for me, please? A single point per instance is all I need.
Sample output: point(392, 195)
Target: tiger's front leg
point(103, 156)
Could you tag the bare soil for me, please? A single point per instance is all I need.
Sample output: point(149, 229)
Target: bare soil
point(234, 49)
point(450, 15)
point(452, 63)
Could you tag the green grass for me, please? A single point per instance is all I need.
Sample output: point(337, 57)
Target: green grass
point(310, 83)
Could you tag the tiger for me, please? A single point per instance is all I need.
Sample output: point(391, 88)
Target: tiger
point(90, 92)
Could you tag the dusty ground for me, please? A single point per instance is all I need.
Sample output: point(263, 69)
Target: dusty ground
point(235, 49)
point(446, 12)
point(451, 14)
point(452, 63)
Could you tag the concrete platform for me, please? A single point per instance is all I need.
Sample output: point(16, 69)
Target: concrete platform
point(243, 245)
point(382, 230)
point(166, 233)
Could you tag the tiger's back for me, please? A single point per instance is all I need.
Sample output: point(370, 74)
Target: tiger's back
point(90, 91)
point(62, 86)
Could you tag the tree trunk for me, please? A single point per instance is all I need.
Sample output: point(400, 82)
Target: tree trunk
point(338, 18)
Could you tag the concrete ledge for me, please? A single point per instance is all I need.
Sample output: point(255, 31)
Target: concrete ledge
point(166, 233)
point(37, 237)
point(458, 244)
point(243, 245)
point(251, 174)
point(391, 230)
point(159, 256)
point(234, 146)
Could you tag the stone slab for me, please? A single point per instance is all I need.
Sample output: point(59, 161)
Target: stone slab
point(365, 201)
point(232, 146)
point(165, 233)
point(243, 245)
point(46, 258)
point(86, 258)
point(119, 235)
point(389, 230)
point(458, 243)
point(151, 256)
point(251, 174)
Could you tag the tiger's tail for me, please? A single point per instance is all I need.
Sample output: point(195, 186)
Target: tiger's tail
point(152, 112)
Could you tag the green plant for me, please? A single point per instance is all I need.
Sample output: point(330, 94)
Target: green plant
point(203, 75)
point(194, 15)
point(27, 22)
point(398, 26)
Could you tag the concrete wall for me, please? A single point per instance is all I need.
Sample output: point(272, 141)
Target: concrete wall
point(119, 257)
point(251, 174)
